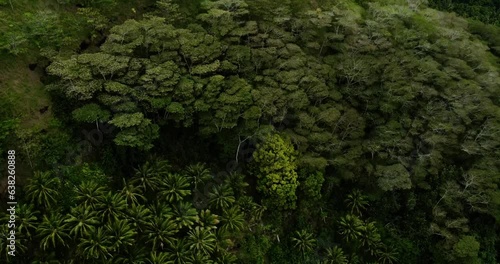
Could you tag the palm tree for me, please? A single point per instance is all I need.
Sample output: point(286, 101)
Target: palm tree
point(185, 214)
point(354, 259)
point(335, 255)
point(120, 234)
point(139, 216)
point(207, 219)
point(135, 255)
point(201, 240)
point(174, 188)
point(4, 234)
point(199, 258)
point(42, 189)
point(198, 174)
point(81, 221)
point(226, 257)
point(159, 258)
point(370, 237)
point(180, 252)
point(221, 197)
point(161, 210)
point(233, 219)
point(237, 182)
point(356, 202)
point(111, 206)
point(46, 259)
point(96, 246)
point(304, 241)
point(161, 232)
point(257, 212)
point(386, 256)
point(26, 219)
point(148, 176)
point(350, 227)
point(245, 203)
point(132, 193)
point(52, 231)
point(223, 241)
point(21, 242)
point(160, 165)
point(89, 194)
point(252, 210)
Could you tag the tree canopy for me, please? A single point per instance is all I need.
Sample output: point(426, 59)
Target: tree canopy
point(235, 131)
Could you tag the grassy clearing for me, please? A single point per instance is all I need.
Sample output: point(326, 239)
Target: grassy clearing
point(23, 93)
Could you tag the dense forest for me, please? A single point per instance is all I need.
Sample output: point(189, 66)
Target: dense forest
point(487, 11)
point(250, 131)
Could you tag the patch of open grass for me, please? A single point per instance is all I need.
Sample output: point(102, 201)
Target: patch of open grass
point(23, 93)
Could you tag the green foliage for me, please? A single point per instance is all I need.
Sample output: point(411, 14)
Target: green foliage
point(303, 241)
point(393, 177)
point(81, 221)
point(221, 197)
point(160, 230)
point(279, 253)
point(91, 113)
point(6, 129)
point(356, 202)
point(324, 98)
point(52, 232)
point(335, 255)
point(467, 248)
point(43, 188)
point(201, 240)
point(96, 246)
point(487, 11)
point(232, 220)
point(255, 248)
point(174, 188)
point(312, 185)
point(276, 169)
point(350, 227)
point(39, 29)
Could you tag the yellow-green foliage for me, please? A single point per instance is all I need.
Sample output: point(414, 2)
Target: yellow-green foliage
point(276, 170)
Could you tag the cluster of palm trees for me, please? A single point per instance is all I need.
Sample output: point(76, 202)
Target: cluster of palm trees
point(361, 239)
point(153, 218)
point(150, 219)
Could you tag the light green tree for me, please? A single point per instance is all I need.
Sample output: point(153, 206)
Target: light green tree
point(466, 250)
point(276, 170)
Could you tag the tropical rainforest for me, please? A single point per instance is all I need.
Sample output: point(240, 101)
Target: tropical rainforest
point(250, 131)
